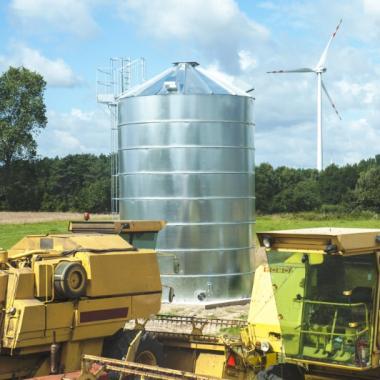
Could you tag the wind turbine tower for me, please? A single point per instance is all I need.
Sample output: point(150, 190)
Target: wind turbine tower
point(319, 69)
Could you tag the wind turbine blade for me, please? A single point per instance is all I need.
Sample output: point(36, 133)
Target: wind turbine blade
point(329, 98)
point(322, 59)
point(301, 70)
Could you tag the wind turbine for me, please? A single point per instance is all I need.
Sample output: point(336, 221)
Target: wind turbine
point(319, 69)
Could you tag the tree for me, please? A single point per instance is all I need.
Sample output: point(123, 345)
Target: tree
point(304, 196)
point(367, 189)
point(78, 182)
point(336, 183)
point(22, 113)
point(266, 187)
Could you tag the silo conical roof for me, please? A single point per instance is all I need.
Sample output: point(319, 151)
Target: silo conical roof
point(184, 78)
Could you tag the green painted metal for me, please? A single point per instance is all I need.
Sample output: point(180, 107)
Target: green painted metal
point(325, 307)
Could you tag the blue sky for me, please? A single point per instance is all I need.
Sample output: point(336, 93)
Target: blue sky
point(66, 40)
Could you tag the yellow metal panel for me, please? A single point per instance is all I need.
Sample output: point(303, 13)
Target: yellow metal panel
point(101, 317)
point(119, 226)
point(263, 322)
point(145, 304)
point(59, 315)
point(97, 241)
point(3, 285)
point(210, 364)
point(103, 310)
point(121, 273)
point(20, 284)
point(27, 323)
point(43, 275)
point(72, 353)
point(348, 240)
point(32, 315)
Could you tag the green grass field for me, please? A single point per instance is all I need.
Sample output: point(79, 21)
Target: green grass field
point(11, 233)
point(285, 222)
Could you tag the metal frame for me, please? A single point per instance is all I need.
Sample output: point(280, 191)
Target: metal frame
point(111, 82)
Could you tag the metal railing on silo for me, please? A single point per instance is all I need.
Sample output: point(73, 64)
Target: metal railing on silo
point(121, 75)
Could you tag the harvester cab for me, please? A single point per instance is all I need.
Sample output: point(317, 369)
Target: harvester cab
point(61, 295)
point(315, 302)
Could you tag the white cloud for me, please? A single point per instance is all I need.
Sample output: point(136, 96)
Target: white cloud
point(246, 60)
point(366, 93)
point(72, 16)
point(216, 29)
point(56, 72)
point(351, 141)
point(372, 7)
point(74, 132)
point(218, 74)
point(294, 146)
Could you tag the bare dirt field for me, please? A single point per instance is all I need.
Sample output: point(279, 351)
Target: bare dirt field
point(36, 217)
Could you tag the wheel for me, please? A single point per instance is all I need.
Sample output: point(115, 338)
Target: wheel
point(70, 280)
point(116, 346)
point(150, 351)
point(282, 372)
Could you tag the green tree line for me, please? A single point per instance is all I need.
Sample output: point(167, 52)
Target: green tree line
point(347, 188)
point(82, 183)
point(74, 183)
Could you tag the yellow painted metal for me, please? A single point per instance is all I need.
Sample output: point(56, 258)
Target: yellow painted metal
point(3, 256)
point(264, 319)
point(20, 283)
point(139, 370)
point(263, 323)
point(72, 352)
point(43, 271)
point(210, 364)
point(122, 283)
point(117, 226)
point(3, 285)
point(122, 269)
point(348, 241)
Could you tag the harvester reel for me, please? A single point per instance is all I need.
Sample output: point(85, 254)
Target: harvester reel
point(70, 280)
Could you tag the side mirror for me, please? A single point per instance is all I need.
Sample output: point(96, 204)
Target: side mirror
point(171, 294)
point(168, 293)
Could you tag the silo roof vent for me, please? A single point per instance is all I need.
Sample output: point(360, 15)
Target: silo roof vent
point(185, 78)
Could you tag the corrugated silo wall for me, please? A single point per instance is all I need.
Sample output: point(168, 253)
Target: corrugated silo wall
point(189, 160)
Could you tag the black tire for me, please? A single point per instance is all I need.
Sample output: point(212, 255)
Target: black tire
point(150, 351)
point(116, 346)
point(282, 372)
point(70, 280)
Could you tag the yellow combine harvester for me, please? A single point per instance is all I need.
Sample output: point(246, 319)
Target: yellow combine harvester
point(314, 314)
point(314, 311)
point(62, 295)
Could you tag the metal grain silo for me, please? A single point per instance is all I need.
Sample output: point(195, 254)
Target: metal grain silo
point(186, 155)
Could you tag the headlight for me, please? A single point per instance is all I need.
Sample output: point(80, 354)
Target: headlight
point(264, 346)
point(267, 241)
